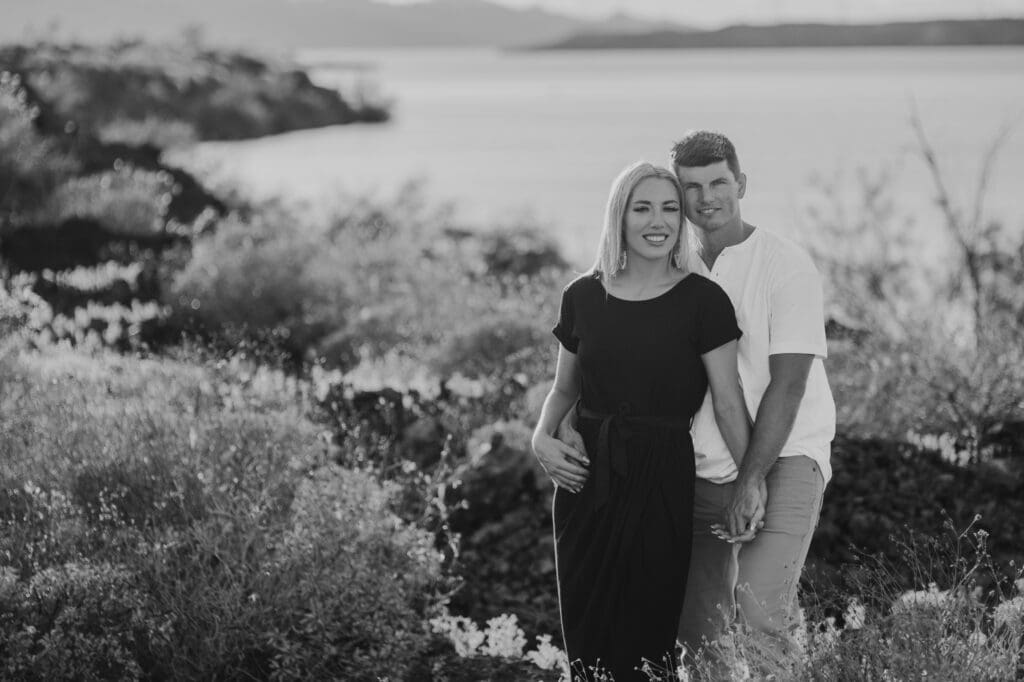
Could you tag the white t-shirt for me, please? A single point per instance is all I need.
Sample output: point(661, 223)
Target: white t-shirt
point(776, 291)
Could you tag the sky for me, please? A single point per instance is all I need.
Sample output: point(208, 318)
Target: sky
point(708, 13)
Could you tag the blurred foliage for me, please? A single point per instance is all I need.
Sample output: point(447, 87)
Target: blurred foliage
point(121, 87)
point(927, 318)
point(31, 165)
point(125, 200)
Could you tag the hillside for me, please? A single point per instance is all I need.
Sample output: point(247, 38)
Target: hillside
point(280, 24)
point(918, 33)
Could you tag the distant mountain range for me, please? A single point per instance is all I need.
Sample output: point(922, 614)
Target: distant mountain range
point(286, 24)
point(951, 32)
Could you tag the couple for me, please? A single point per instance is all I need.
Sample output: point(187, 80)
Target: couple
point(690, 488)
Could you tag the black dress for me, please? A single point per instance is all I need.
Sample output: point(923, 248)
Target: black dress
point(622, 545)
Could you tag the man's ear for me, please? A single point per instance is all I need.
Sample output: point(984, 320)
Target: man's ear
point(742, 180)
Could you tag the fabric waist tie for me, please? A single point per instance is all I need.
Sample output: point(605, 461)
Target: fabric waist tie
point(617, 461)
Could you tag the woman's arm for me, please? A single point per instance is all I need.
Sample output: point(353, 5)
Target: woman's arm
point(564, 463)
point(734, 424)
point(727, 399)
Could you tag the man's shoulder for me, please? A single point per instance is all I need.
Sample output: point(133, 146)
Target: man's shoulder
point(784, 254)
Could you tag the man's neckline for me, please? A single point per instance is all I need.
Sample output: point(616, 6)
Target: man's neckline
point(749, 239)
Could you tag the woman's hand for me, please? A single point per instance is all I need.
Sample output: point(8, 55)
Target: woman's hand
point(566, 465)
point(752, 525)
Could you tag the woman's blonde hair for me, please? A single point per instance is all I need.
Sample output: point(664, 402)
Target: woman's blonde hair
point(611, 245)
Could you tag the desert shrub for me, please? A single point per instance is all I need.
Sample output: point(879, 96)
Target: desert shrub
point(30, 164)
point(520, 252)
point(206, 488)
point(934, 313)
point(248, 279)
point(381, 570)
point(146, 493)
point(484, 346)
point(127, 201)
point(68, 411)
point(338, 588)
point(40, 529)
point(379, 277)
point(79, 621)
point(152, 130)
point(926, 383)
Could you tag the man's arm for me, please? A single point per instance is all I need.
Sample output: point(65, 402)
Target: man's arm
point(774, 421)
point(564, 462)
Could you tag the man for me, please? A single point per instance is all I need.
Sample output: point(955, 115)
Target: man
point(777, 294)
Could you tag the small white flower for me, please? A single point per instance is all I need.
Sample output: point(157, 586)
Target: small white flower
point(1010, 613)
point(465, 387)
point(505, 639)
point(462, 633)
point(930, 598)
point(547, 656)
point(854, 615)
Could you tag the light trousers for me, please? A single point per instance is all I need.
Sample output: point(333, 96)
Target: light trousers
point(756, 581)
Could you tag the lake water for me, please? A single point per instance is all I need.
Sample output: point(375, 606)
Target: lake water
point(512, 136)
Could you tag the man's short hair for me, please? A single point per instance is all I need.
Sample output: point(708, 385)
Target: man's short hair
point(700, 148)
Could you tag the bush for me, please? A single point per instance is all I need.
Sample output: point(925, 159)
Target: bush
point(127, 201)
point(249, 279)
point(30, 164)
point(205, 489)
point(153, 131)
point(369, 576)
point(906, 371)
point(78, 621)
point(483, 347)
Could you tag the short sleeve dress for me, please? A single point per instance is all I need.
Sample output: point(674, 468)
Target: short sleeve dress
point(622, 544)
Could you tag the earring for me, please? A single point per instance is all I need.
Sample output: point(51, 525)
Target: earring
point(622, 260)
point(677, 258)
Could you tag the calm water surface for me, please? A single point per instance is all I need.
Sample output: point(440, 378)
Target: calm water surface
point(539, 136)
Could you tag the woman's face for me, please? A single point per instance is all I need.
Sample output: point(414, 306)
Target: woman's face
point(652, 221)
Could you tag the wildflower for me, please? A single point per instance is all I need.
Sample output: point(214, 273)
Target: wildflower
point(547, 656)
point(930, 598)
point(504, 637)
point(465, 387)
point(824, 639)
point(461, 632)
point(1010, 613)
point(854, 615)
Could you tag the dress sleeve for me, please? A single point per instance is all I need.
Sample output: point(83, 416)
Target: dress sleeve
point(565, 329)
point(717, 324)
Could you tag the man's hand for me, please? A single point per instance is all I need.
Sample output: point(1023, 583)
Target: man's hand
point(568, 434)
point(565, 464)
point(745, 514)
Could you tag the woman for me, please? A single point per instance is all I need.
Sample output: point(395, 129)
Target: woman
point(640, 341)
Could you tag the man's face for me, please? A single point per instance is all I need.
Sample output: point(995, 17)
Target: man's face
point(712, 195)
